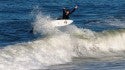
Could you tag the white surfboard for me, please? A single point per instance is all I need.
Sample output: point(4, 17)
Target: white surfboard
point(57, 23)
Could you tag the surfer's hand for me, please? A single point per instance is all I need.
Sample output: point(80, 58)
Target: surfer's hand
point(76, 7)
point(64, 8)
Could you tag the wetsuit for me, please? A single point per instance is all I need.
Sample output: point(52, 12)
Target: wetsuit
point(66, 16)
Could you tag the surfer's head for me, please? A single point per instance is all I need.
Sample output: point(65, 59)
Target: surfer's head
point(67, 11)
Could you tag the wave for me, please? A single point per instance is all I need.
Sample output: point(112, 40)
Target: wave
point(59, 45)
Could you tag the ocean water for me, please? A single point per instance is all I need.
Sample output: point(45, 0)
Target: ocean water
point(94, 41)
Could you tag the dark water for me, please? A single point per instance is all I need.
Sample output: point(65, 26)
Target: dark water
point(17, 16)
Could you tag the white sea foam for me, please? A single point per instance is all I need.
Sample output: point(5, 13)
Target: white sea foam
point(60, 45)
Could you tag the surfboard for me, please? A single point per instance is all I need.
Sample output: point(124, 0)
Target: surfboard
point(57, 23)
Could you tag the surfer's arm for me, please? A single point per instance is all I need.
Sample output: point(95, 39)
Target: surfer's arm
point(64, 10)
point(74, 9)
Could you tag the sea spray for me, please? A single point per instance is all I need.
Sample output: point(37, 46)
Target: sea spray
point(43, 26)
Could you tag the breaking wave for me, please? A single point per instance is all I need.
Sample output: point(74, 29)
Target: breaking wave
point(59, 45)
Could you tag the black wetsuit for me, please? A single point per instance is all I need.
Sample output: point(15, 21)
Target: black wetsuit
point(66, 16)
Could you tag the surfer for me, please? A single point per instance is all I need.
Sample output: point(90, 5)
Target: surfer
point(67, 12)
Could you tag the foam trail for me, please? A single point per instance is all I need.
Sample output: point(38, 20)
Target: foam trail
point(116, 22)
point(60, 45)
